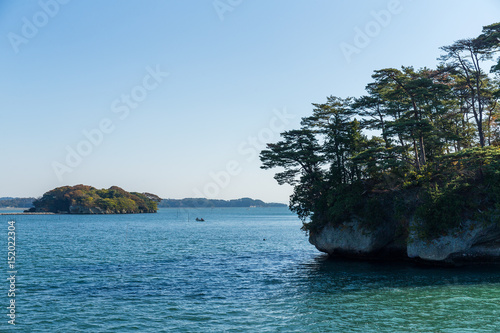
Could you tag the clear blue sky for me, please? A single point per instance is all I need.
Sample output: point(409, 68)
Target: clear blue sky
point(85, 66)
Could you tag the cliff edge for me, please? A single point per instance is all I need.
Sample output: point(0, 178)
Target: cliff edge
point(472, 242)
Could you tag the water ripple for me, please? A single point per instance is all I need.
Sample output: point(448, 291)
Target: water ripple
point(160, 273)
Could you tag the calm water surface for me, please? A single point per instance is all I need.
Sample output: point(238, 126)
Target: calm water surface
point(243, 270)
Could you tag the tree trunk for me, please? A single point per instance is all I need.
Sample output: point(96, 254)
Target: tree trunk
point(478, 92)
point(420, 136)
point(417, 158)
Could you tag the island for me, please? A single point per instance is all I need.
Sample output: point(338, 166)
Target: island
point(84, 199)
point(411, 170)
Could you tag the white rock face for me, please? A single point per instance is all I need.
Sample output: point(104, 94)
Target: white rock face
point(474, 239)
point(351, 238)
point(475, 242)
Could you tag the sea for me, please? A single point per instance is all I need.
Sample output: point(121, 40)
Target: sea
point(240, 270)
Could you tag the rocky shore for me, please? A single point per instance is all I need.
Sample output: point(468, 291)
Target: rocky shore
point(472, 242)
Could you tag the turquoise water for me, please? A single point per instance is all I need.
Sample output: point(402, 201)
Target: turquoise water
point(243, 270)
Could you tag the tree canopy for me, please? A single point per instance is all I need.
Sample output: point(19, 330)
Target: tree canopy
point(352, 150)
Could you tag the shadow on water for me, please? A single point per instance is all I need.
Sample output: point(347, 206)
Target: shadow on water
point(325, 274)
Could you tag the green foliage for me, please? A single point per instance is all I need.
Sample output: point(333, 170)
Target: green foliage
point(343, 204)
point(81, 198)
point(442, 210)
point(462, 186)
point(436, 139)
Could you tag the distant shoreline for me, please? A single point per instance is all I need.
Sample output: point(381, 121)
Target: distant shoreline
point(7, 203)
point(216, 203)
point(49, 213)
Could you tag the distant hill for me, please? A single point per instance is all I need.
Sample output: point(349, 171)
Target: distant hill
point(165, 203)
point(202, 202)
point(16, 202)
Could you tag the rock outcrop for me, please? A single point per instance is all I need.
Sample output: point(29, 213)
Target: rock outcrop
point(474, 242)
point(352, 239)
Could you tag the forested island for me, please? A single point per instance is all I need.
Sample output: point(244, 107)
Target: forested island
point(214, 203)
point(84, 199)
point(411, 169)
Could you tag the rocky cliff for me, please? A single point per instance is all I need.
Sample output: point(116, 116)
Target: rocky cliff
point(472, 242)
point(353, 240)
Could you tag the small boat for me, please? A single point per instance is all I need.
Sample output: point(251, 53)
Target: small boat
point(200, 220)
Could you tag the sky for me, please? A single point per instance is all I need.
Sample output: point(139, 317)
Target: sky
point(177, 98)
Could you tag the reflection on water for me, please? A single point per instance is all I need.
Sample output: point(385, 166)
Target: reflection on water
point(339, 295)
point(363, 275)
